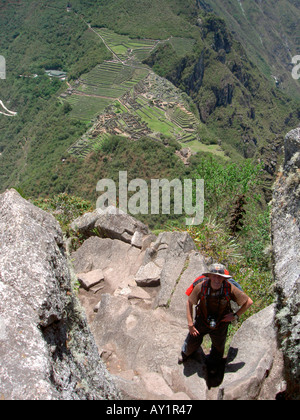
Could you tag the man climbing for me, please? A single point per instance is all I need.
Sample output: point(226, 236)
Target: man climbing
point(212, 296)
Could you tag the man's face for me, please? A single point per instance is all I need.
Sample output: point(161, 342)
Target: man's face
point(216, 281)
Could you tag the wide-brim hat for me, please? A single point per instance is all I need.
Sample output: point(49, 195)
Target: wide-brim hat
point(218, 270)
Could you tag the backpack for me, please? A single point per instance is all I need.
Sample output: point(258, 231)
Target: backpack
point(205, 285)
point(194, 284)
point(205, 291)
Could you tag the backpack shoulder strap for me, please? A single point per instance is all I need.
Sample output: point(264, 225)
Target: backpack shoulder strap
point(227, 290)
point(194, 284)
point(204, 289)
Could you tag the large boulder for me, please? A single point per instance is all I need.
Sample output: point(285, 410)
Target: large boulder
point(194, 267)
point(286, 257)
point(46, 348)
point(176, 247)
point(164, 262)
point(114, 224)
point(250, 358)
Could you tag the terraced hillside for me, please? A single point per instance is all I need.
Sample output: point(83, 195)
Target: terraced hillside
point(153, 107)
point(125, 97)
point(125, 48)
point(94, 91)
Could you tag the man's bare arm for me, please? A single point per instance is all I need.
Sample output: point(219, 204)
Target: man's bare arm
point(189, 314)
point(240, 312)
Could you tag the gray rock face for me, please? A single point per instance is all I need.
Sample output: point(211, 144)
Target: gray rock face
point(195, 266)
point(46, 348)
point(114, 224)
point(286, 257)
point(118, 260)
point(123, 227)
point(91, 279)
point(147, 342)
point(179, 245)
point(164, 262)
point(250, 358)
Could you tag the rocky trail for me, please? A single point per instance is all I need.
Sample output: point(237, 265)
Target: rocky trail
point(133, 291)
point(122, 341)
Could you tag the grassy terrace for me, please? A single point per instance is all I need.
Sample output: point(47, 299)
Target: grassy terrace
point(126, 48)
point(111, 79)
point(85, 108)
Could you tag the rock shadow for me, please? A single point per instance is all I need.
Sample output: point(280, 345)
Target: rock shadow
point(197, 364)
point(213, 374)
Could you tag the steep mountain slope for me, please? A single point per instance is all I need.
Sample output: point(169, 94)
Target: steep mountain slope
point(36, 36)
point(239, 109)
point(141, 18)
point(234, 99)
point(269, 32)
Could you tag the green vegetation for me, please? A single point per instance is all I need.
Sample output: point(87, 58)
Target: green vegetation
point(126, 48)
point(35, 37)
point(235, 101)
point(86, 108)
point(65, 208)
point(225, 182)
point(265, 43)
point(141, 18)
point(240, 113)
point(45, 36)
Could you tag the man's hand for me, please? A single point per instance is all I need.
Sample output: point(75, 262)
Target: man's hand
point(193, 330)
point(228, 318)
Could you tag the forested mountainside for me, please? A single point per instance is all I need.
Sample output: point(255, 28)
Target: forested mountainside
point(268, 32)
point(236, 111)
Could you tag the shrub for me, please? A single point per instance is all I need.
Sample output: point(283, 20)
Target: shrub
point(65, 208)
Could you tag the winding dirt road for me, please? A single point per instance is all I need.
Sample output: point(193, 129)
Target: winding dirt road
point(6, 112)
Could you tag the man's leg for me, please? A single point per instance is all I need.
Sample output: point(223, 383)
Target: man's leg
point(192, 343)
point(218, 339)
